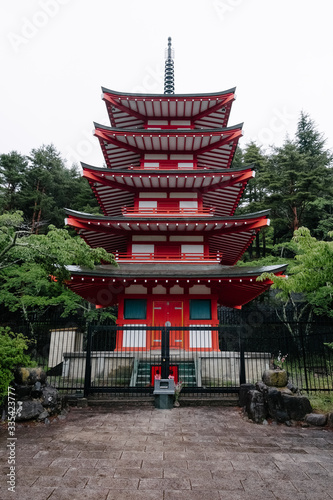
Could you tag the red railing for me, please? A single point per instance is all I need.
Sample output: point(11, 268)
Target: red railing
point(172, 212)
point(212, 258)
point(167, 166)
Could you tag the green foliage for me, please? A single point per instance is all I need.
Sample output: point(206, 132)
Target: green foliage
point(311, 273)
point(41, 186)
point(321, 402)
point(12, 355)
point(33, 267)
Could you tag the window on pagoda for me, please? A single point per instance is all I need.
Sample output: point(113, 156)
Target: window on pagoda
point(135, 309)
point(148, 206)
point(144, 250)
point(200, 309)
point(192, 250)
point(188, 206)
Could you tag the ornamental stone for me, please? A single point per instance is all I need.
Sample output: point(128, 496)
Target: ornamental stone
point(275, 378)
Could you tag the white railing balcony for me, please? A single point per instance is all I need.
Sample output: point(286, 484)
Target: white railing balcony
point(189, 258)
point(167, 212)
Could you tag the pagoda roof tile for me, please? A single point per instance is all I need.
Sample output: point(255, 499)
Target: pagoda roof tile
point(173, 270)
point(169, 96)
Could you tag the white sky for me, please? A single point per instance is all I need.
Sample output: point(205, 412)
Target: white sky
point(56, 54)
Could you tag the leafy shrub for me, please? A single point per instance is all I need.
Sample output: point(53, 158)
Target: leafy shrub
point(12, 355)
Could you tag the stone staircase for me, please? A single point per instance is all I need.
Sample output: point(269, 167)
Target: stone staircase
point(186, 373)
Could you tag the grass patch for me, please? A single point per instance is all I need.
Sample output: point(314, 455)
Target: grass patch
point(321, 402)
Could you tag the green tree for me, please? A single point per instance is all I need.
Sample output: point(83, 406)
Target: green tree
point(41, 186)
point(33, 267)
point(311, 274)
point(12, 355)
point(12, 171)
point(298, 174)
point(254, 195)
point(319, 216)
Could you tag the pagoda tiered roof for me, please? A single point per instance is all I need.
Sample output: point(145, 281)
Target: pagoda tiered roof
point(116, 188)
point(127, 110)
point(234, 286)
point(209, 147)
point(229, 235)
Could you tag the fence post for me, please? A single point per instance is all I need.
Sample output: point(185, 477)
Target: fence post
point(242, 372)
point(165, 353)
point(304, 355)
point(87, 376)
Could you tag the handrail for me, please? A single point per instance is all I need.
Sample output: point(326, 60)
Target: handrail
point(166, 211)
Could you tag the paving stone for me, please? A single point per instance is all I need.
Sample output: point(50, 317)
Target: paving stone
point(164, 484)
point(191, 495)
point(147, 473)
point(133, 495)
point(154, 455)
point(23, 493)
point(100, 455)
point(75, 494)
point(217, 484)
point(61, 482)
point(113, 483)
point(174, 473)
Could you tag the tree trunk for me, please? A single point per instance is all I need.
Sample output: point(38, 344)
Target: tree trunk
point(295, 221)
point(257, 246)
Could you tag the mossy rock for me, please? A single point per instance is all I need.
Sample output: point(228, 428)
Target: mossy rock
point(275, 378)
point(29, 376)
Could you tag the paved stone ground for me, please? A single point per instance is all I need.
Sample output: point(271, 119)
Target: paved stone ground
point(200, 453)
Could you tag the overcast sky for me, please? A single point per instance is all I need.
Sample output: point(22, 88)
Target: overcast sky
point(56, 55)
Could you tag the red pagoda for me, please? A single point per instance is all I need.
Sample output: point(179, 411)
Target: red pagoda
point(168, 194)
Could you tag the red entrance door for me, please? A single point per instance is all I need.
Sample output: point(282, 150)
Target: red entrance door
point(168, 313)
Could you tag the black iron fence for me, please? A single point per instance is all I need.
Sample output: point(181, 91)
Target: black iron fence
point(99, 359)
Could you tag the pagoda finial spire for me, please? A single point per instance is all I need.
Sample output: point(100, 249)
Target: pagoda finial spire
point(169, 77)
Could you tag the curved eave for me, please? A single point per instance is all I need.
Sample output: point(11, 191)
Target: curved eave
point(115, 189)
point(144, 171)
point(136, 110)
point(103, 219)
point(168, 96)
point(156, 132)
point(211, 147)
point(175, 271)
point(233, 286)
point(230, 236)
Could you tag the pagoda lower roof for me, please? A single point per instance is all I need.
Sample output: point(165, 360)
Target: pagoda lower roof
point(128, 110)
point(230, 236)
point(209, 147)
point(115, 189)
point(235, 286)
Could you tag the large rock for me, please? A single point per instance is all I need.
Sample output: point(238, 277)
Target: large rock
point(275, 378)
point(275, 407)
point(318, 419)
point(255, 406)
point(330, 419)
point(296, 406)
point(243, 390)
point(29, 376)
point(30, 409)
point(49, 397)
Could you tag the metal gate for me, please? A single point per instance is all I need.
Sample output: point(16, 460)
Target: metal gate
point(120, 360)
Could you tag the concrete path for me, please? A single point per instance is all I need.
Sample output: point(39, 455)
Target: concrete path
point(200, 453)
